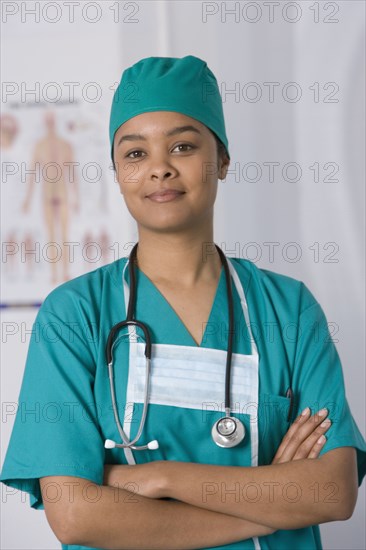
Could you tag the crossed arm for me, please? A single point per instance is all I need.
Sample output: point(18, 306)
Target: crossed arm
point(213, 505)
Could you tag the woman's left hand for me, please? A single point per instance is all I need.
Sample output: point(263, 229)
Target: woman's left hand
point(146, 480)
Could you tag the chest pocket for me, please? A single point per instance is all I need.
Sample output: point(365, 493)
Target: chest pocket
point(186, 397)
point(272, 425)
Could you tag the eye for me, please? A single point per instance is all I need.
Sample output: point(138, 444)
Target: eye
point(190, 147)
point(128, 156)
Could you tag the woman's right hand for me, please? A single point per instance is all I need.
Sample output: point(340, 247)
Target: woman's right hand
point(305, 437)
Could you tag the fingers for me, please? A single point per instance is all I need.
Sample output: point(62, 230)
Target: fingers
point(317, 447)
point(311, 447)
point(304, 437)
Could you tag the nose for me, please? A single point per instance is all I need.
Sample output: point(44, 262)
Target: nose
point(161, 168)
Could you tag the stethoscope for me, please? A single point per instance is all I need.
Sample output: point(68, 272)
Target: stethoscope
point(228, 431)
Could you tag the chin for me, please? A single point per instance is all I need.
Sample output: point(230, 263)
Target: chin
point(165, 226)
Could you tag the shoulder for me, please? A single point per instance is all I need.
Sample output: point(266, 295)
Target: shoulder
point(274, 288)
point(85, 292)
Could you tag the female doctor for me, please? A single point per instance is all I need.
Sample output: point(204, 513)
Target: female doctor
point(191, 425)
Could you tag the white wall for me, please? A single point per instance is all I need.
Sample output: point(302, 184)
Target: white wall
point(303, 132)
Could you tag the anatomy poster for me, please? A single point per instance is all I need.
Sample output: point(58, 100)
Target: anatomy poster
point(62, 211)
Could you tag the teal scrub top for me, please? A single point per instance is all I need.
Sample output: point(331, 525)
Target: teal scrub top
point(65, 412)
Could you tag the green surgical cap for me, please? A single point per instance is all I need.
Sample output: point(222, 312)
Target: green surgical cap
point(185, 85)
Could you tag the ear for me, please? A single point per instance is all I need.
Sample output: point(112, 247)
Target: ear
point(224, 163)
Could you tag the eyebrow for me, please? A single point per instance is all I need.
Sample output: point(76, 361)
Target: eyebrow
point(173, 132)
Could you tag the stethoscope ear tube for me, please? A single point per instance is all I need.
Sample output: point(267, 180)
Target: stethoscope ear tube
point(151, 446)
point(109, 443)
point(118, 327)
point(130, 321)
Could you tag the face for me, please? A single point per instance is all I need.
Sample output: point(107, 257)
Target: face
point(167, 169)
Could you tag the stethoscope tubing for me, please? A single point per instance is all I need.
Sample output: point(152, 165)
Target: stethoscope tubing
point(131, 321)
point(231, 332)
point(116, 328)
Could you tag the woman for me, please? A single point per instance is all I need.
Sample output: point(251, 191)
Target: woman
point(247, 482)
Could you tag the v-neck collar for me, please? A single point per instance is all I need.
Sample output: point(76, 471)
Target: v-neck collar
point(148, 281)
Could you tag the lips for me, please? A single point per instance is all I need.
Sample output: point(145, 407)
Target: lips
point(165, 195)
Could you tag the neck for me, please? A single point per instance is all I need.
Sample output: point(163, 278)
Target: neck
point(183, 260)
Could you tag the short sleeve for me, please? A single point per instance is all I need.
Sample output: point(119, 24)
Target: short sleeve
point(318, 381)
point(56, 430)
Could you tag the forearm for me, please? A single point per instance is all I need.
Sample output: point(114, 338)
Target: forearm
point(283, 496)
point(120, 519)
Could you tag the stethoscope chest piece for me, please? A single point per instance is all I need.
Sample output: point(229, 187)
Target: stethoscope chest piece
point(228, 432)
